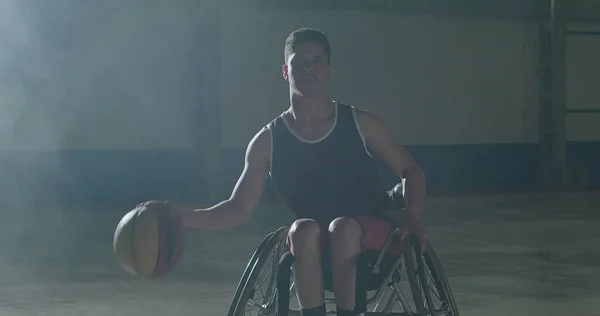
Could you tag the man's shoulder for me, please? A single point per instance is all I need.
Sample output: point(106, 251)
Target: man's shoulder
point(259, 145)
point(352, 107)
point(361, 113)
point(274, 121)
point(263, 136)
point(367, 121)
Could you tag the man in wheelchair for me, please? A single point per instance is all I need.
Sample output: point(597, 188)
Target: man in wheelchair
point(319, 154)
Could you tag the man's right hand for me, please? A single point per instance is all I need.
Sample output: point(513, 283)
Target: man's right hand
point(165, 207)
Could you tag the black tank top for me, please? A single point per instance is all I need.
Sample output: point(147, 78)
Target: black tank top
point(329, 177)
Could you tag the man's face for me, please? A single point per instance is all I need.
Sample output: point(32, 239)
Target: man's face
point(307, 69)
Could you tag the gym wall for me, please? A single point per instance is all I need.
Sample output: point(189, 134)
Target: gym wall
point(436, 81)
point(99, 99)
point(103, 102)
point(583, 80)
point(461, 94)
point(99, 76)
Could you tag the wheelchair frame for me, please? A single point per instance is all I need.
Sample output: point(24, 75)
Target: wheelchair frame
point(386, 296)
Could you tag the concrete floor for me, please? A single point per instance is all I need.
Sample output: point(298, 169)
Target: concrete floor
point(504, 255)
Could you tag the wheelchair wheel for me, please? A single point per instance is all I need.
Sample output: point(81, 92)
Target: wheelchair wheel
point(265, 257)
point(424, 271)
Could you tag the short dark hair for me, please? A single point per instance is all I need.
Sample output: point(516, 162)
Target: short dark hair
point(305, 35)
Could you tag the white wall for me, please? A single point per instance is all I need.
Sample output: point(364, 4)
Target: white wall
point(97, 74)
point(435, 80)
point(114, 75)
point(583, 85)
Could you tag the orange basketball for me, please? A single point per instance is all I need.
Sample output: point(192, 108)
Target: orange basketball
point(148, 242)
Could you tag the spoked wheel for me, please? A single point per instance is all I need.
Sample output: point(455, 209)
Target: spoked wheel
point(430, 288)
point(255, 293)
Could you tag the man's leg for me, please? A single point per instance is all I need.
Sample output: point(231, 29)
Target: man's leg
point(345, 240)
point(305, 243)
point(376, 232)
point(348, 238)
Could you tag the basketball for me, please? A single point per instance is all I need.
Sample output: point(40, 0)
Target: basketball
point(148, 242)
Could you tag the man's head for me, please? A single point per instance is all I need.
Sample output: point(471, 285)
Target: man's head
point(307, 56)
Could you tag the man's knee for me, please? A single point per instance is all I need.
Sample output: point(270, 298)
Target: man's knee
point(304, 237)
point(345, 235)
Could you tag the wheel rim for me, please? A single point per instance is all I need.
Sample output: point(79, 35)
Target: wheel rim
point(434, 297)
point(258, 294)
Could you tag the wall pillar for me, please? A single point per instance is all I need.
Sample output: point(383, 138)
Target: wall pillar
point(552, 115)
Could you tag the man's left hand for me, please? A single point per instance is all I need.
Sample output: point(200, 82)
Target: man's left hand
point(412, 226)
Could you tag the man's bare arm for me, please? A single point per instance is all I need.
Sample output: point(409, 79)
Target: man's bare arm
point(380, 141)
point(245, 196)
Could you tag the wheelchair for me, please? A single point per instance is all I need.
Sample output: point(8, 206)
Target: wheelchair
point(379, 280)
